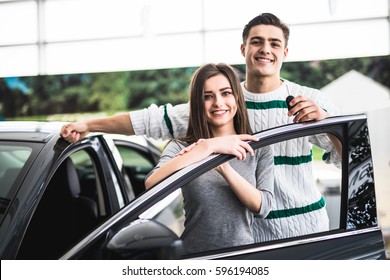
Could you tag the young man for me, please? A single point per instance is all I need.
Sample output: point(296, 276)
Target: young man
point(298, 207)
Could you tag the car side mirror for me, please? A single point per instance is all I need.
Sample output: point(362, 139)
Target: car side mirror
point(145, 239)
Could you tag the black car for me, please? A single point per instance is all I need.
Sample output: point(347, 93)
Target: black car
point(108, 215)
point(53, 193)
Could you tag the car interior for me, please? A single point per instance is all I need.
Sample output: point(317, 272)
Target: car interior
point(74, 203)
point(64, 215)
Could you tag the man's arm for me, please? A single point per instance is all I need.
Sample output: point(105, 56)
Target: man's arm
point(310, 104)
point(163, 122)
point(118, 124)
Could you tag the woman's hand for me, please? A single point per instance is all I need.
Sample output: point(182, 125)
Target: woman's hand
point(235, 145)
point(190, 147)
point(232, 144)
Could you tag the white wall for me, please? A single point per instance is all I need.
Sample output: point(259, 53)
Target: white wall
point(75, 36)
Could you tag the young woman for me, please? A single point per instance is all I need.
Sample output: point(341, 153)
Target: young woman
point(220, 204)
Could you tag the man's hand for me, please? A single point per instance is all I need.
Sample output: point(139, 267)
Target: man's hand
point(306, 109)
point(73, 132)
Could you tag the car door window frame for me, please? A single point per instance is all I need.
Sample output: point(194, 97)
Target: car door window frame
point(339, 128)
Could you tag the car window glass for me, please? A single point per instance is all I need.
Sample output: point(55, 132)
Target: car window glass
point(328, 181)
point(12, 160)
point(169, 212)
point(325, 182)
point(89, 180)
point(136, 165)
point(133, 158)
point(15, 160)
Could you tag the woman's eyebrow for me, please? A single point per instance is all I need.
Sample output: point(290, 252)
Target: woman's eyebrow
point(221, 89)
point(225, 88)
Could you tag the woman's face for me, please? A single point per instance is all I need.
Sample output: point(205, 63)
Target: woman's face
point(219, 101)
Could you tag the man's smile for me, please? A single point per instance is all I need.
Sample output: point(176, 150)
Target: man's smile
point(263, 59)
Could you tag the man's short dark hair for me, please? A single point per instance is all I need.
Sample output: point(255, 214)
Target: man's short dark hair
point(266, 19)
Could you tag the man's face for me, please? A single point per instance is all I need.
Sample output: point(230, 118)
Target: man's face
point(264, 51)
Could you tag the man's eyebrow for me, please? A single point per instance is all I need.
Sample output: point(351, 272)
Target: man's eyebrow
point(262, 38)
point(275, 40)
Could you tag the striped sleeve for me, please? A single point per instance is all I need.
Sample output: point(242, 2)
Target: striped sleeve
point(161, 122)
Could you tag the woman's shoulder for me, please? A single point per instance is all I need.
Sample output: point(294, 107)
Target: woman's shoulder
point(175, 145)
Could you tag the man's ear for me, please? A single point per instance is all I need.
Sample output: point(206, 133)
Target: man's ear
point(242, 48)
point(285, 53)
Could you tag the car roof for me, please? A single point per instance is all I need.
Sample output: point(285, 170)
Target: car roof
point(36, 131)
point(42, 131)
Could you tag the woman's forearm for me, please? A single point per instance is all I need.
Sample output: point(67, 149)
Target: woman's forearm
point(245, 192)
point(196, 154)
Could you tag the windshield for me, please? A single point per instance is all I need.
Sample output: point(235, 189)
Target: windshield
point(13, 157)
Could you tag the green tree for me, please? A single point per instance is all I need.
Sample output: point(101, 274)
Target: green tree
point(12, 101)
point(110, 91)
point(55, 94)
point(317, 74)
point(159, 86)
point(130, 90)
